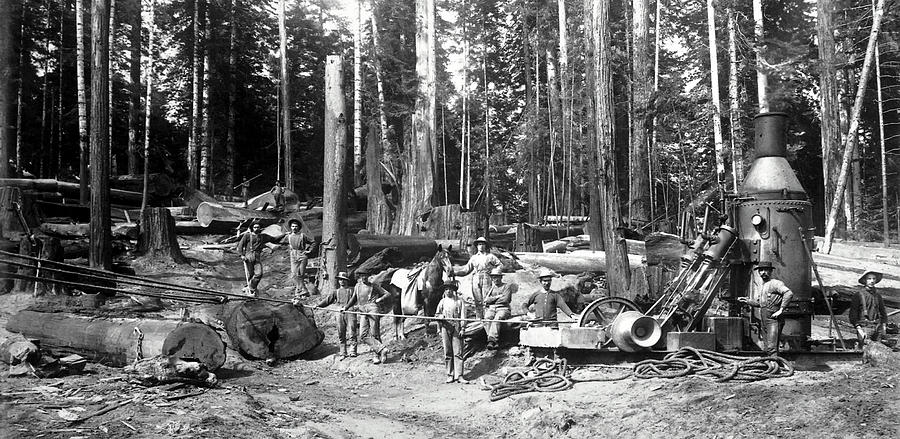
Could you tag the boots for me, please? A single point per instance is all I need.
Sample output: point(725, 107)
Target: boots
point(343, 350)
point(380, 357)
point(353, 350)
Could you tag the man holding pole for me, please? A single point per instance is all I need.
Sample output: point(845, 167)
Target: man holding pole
point(300, 247)
point(250, 248)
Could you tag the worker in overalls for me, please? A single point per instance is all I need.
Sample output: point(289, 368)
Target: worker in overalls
point(346, 301)
point(867, 312)
point(452, 307)
point(300, 247)
point(544, 303)
point(250, 248)
point(497, 302)
point(774, 297)
point(481, 263)
point(369, 299)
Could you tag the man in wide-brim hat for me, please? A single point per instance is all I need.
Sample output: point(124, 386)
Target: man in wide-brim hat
point(300, 247)
point(481, 263)
point(546, 302)
point(497, 308)
point(774, 297)
point(343, 296)
point(452, 308)
point(867, 312)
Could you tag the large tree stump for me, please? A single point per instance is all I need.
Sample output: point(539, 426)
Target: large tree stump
point(264, 330)
point(444, 222)
point(10, 226)
point(157, 238)
point(119, 342)
point(471, 227)
point(26, 248)
point(51, 249)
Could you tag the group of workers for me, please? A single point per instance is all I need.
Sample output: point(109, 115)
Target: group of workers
point(491, 298)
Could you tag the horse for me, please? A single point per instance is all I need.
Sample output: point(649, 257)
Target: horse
point(417, 290)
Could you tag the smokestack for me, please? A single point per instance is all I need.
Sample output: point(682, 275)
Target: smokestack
point(770, 176)
point(770, 134)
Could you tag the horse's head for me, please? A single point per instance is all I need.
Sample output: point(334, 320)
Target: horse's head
point(442, 262)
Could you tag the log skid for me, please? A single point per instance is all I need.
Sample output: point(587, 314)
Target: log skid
point(117, 341)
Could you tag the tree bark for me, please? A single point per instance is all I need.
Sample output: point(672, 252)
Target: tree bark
point(152, 30)
point(158, 238)
point(378, 211)
point(734, 113)
point(334, 236)
point(714, 95)
point(113, 167)
point(101, 251)
point(418, 180)
point(618, 274)
point(205, 127)
point(193, 150)
point(83, 140)
point(134, 89)
point(357, 98)
point(46, 125)
point(639, 183)
point(285, 102)
point(762, 79)
point(854, 124)
point(116, 341)
point(382, 113)
point(593, 226)
point(230, 150)
point(23, 59)
point(885, 213)
point(8, 76)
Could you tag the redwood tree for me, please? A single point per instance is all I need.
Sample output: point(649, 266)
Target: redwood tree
point(101, 251)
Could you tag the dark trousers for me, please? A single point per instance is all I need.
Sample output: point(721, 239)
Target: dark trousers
point(370, 329)
point(773, 331)
point(453, 350)
point(298, 271)
point(347, 321)
point(254, 270)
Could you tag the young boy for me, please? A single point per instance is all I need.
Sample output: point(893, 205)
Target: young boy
point(452, 307)
point(346, 299)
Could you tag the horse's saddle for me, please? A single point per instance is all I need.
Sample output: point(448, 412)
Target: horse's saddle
point(410, 282)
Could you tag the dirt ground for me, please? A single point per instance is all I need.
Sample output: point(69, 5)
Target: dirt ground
point(319, 395)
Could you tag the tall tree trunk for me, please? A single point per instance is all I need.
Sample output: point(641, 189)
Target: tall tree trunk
point(193, 150)
point(431, 114)
point(378, 212)
point(382, 113)
point(565, 99)
point(151, 30)
point(418, 180)
point(357, 98)
point(762, 79)
point(885, 213)
point(714, 95)
point(463, 162)
point(553, 117)
point(734, 113)
point(854, 125)
point(230, 150)
point(63, 8)
point(45, 112)
point(653, 158)
point(101, 250)
point(113, 167)
point(19, 69)
point(487, 141)
point(83, 144)
point(334, 239)
point(134, 89)
point(829, 99)
point(205, 127)
point(8, 76)
point(285, 102)
point(639, 184)
point(618, 273)
point(594, 228)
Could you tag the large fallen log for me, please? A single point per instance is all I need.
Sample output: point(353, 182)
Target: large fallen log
point(412, 248)
point(264, 330)
point(207, 213)
point(69, 189)
point(118, 341)
point(575, 262)
point(158, 185)
point(291, 201)
point(83, 230)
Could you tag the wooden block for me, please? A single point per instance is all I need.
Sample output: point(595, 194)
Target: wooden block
point(540, 337)
point(582, 338)
point(698, 340)
point(729, 332)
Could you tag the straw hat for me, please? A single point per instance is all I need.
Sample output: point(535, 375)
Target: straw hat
point(343, 275)
point(496, 271)
point(545, 272)
point(878, 276)
point(765, 264)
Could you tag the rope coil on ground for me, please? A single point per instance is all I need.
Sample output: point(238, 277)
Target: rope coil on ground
point(545, 375)
point(714, 365)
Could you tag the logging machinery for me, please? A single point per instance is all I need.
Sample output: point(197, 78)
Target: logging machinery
point(767, 220)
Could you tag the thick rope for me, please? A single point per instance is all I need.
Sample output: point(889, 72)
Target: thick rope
point(545, 375)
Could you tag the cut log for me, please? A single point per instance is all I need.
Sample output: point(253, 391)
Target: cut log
point(157, 238)
point(576, 262)
point(263, 330)
point(119, 342)
point(194, 228)
point(412, 248)
point(208, 212)
point(77, 231)
point(159, 186)
point(68, 189)
point(663, 248)
point(193, 198)
point(15, 350)
point(291, 201)
point(380, 261)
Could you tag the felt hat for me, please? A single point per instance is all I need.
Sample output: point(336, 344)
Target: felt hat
point(496, 271)
point(545, 272)
point(343, 275)
point(295, 221)
point(481, 239)
point(878, 276)
point(451, 285)
point(764, 264)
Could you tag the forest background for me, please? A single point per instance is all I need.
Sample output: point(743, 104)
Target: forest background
point(513, 121)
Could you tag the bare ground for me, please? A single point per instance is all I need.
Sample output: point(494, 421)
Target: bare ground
point(320, 396)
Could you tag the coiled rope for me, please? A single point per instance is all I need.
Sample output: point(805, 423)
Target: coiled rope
point(545, 375)
point(714, 365)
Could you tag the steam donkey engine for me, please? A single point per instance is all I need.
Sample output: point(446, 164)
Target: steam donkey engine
point(768, 219)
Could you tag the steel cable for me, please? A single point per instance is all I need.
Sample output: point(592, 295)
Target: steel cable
point(544, 375)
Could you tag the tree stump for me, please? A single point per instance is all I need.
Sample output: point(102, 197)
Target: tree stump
point(10, 225)
point(444, 222)
point(51, 250)
point(25, 249)
point(158, 238)
point(263, 330)
point(6, 283)
point(471, 227)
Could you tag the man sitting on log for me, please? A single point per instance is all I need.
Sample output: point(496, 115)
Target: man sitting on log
point(497, 301)
point(544, 303)
point(481, 263)
point(300, 247)
point(250, 248)
point(278, 193)
point(867, 312)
